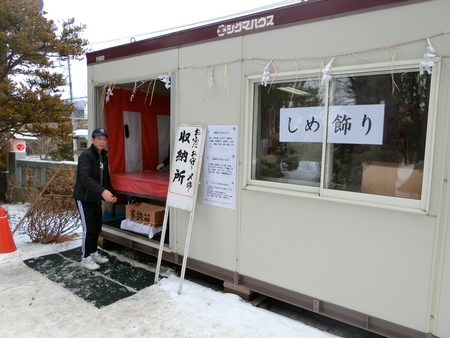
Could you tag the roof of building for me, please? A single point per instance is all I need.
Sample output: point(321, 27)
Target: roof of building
point(300, 12)
point(80, 133)
point(24, 136)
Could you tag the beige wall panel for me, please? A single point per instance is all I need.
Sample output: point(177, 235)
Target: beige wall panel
point(442, 298)
point(443, 306)
point(305, 45)
point(134, 68)
point(213, 237)
point(200, 104)
point(367, 259)
point(214, 233)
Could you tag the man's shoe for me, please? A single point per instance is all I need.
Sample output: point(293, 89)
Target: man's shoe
point(89, 264)
point(99, 258)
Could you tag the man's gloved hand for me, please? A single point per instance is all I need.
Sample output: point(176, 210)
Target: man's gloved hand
point(160, 166)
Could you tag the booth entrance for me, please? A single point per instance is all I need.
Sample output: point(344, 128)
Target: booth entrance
point(137, 117)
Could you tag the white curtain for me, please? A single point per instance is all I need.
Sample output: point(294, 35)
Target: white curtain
point(133, 141)
point(163, 136)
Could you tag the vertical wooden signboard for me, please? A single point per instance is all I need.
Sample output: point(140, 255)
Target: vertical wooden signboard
point(185, 170)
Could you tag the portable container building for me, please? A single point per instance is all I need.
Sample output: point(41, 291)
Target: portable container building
point(326, 165)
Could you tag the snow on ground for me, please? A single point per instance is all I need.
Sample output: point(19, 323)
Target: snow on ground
point(33, 306)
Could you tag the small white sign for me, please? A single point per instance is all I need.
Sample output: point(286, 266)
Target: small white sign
point(360, 124)
point(302, 124)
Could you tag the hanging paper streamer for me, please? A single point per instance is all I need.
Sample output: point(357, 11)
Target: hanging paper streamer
point(165, 79)
point(134, 92)
point(327, 72)
point(266, 75)
point(109, 93)
point(211, 78)
point(426, 63)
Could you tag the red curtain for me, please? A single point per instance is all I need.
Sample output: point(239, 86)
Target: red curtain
point(114, 108)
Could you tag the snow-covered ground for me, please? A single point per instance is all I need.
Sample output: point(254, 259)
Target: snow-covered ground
point(33, 306)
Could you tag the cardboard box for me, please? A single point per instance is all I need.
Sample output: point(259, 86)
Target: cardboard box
point(392, 179)
point(145, 213)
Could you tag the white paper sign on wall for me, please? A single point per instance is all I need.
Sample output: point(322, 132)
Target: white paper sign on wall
point(350, 124)
point(301, 124)
point(220, 166)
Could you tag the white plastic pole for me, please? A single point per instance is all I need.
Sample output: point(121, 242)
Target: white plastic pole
point(161, 243)
point(186, 249)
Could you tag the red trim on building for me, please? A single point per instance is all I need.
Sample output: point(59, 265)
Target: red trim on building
point(301, 12)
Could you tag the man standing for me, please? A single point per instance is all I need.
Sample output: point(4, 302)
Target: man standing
point(164, 163)
point(92, 186)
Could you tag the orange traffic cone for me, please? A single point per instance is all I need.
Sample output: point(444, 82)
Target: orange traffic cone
point(6, 241)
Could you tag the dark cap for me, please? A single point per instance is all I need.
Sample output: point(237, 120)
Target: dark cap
point(98, 132)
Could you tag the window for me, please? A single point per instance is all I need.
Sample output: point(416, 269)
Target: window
point(362, 133)
point(278, 159)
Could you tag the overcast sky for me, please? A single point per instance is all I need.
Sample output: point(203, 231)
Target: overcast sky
point(110, 23)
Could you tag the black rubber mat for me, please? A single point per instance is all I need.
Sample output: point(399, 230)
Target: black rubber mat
point(114, 280)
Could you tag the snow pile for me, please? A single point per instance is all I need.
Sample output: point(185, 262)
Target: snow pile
point(33, 306)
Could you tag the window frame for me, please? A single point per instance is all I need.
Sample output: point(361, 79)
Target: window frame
point(389, 202)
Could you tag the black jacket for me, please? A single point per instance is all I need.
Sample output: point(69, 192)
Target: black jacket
point(88, 187)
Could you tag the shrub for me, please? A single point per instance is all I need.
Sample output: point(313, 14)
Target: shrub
point(52, 215)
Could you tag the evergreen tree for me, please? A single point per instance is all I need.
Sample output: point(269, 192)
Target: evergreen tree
point(31, 83)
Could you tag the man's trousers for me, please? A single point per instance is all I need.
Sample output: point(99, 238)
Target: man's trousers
point(91, 221)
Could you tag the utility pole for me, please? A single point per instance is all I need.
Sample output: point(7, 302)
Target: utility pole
point(70, 90)
point(70, 79)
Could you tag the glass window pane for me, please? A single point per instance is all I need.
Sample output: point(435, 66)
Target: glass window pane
point(288, 132)
point(390, 163)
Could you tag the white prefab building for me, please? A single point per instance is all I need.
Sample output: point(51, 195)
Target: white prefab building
point(325, 172)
